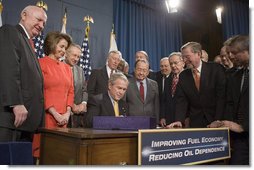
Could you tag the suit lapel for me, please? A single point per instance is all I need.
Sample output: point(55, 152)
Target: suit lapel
point(122, 108)
point(76, 76)
point(149, 90)
point(191, 81)
point(203, 76)
point(104, 74)
point(108, 105)
point(32, 53)
point(135, 87)
point(237, 84)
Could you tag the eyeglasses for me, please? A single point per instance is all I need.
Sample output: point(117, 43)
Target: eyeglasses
point(175, 63)
point(236, 52)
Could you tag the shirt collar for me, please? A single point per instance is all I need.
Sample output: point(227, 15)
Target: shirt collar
point(199, 67)
point(25, 30)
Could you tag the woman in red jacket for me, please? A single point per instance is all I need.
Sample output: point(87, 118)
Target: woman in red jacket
point(58, 84)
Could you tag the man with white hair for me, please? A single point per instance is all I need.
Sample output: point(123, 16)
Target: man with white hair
point(98, 80)
point(21, 94)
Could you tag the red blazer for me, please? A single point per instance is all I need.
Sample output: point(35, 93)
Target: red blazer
point(58, 87)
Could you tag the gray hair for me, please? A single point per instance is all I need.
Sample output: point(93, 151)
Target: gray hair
point(115, 52)
point(195, 47)
point(177, 54)
point(240, 42)
point(74, 45)
point(116, 76)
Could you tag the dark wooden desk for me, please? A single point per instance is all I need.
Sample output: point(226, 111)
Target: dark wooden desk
point(76, 146)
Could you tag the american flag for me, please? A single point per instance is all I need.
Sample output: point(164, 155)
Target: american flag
point(84, 61)
point(38, 45)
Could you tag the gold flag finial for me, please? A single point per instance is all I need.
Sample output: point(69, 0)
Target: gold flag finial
point(42, 5)
point(1, 6)
point(88, 19)
point(65, 16)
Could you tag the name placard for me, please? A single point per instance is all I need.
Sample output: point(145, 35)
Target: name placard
point(183, 146)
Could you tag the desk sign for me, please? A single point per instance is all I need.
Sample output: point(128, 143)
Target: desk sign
point(182, 146)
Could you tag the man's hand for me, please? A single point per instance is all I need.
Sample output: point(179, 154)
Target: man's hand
point(20, 113)
point(163, 122)
point(215, 124)
point(173, 125)
point(233, 126)
point(80, 108)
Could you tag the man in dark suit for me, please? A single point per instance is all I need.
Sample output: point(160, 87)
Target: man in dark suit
point(98, 80)
point(167, 110)
point(142, 94)
point(162, 79)
point(200, 91)
point(109, 103)
point(142, 55)
point(162, 76)
point(78, 110)
point(237, 103)
point(21, 87)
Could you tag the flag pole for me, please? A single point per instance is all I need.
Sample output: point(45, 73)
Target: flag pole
point(64, 21)
point(113, 45)
point(88, 19)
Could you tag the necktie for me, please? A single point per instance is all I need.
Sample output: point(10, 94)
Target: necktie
point(163, 83)
point(116, 108)
point(141, 91)
point(196, 78)
point(111, 72)
point(174, 83)
point(31, 43)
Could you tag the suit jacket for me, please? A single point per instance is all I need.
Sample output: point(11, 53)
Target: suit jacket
point(237, 101)
point(150, 107)
point(98, 81)
point(167, 109)
point(21, 79)
point(80, 93)
point(159, 78)
point(101, 105)
point(207, 104)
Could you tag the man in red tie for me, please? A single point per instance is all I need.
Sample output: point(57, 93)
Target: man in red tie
point(21, 94)
point(203, 102)
point(167, 110)
point(142, 94)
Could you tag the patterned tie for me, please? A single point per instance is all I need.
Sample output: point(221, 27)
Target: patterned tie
point(196, 78)
point(141, 91)
point(116, 108)
point(174, 83)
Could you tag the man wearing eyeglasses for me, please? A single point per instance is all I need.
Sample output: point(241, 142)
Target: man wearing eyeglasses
point(200, 91)
point(237, 103)
point(167, 115)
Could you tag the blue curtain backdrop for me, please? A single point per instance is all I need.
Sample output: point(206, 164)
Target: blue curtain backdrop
point(144, 25)
point(235, 18)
